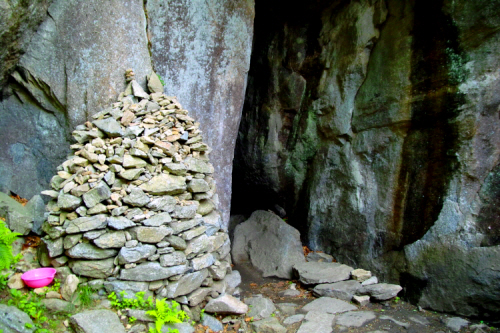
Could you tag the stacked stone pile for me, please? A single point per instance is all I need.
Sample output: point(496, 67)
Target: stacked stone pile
point(135, 203)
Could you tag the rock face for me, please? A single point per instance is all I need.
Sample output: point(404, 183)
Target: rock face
point(382, 145)
point(271, 245)
point(202, 51)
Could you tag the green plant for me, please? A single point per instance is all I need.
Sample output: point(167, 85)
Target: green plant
point(202, 314)
point(132, 320)
point(163, 313)
point(161, 80)
point(139, 302)
point(396, 300)
point(85, 295)
point(4, 279)
point(30, 304)
point(7, 237)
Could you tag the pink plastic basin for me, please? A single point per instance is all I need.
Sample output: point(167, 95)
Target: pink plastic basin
point(40, 277)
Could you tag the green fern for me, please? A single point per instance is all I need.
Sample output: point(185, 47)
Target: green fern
point(166, 314)
point(7, 237)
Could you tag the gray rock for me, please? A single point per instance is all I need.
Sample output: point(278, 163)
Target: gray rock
point(111, 240)
point(96, 321)
point(293, 319)
point(380, 291)
point(71, 240)
point(55, 247)
point(186, 211)
point(68, 201)
point(58, 305)
point(355, 318)
point(456, 323)
point(372, 280)
point(19, 220)
point(218, 272)
point(131, 174)
point(36, 208)
point(206, 206)
point(186, 284)
point(89, 251)
point(129, 255)
point(99, 269)
point(164, 203)
point(213, 222)
point(13, 320)
point(395, 321)
point(271, 245)
point(212, 323)
point(83, 224)
point(165, 184)
point(226, 304)
point(195, 232)
point(233, 280)
point(151, 271)
point(322, 272)
point(133, 162)
point(260, 307)
point(180, 327)
point(178, 169)
point(343, 290)
point(419, 320)
point(289, 293)
point(136, 198)
point(197, 296)
point(173, 259)
point(329, 305)
point(138, 91)
point(287, 309)
point(109, 126)
point(151, 234)
point(157, 220)
point(176, 242)
point(99, 193)
point(154, 83)
point(69, 286)
point(179, 227)
point(198, 186)
point(319, 257)
point(361, 300)
point(197, 165)
point(270, 325)
point(140, 315)
point(361, 275)
point(204, 261)
point(90, 235)
point(119, 223)
point(317, 322)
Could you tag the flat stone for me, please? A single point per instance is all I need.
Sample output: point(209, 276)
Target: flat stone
point(68, 201)
point(165, 184)
point(186, 211)
point(293, 319)
point(133, 162)
point(180, 327)
point(129, 287)
point(270, 325)
point(355, 318)
point(322, 272)
point(226, 304)
point(154, 83)
point(178, 169)
point(198, 186)
point(317, 322)
point(97, 321)
point(58, 305)
point(151, 271)
point(97, 209)
point(197, 165)
point(361, 275)
point(370, 281)
point(380, 291)
point(90, 235)
point(198, 245)
point(287, 309)
point(55, 247)
point(164, 203)
point(197, 296)
point(289, 293)
point(15, 281)
point(206, 206)
point(195, 232)
point(395, 321)
point(157, 220)
point(260, 307)
point(138, 91)
point(136, 198)
point(173, 259)
point(131, 174)
point(111, 239)
point(233, 280)
point(456, 323)
point(128, 255)
point(178, 227)
point(99, 193)
point(204, 261)
point(109, 126)
point(343, 290)
point(99, 269)
point(186, 284)
point(361, 300)
point(120, 223)
point(152, 234)
point(89, 251)
point(176, 242)
point(419, 320)
point(329, 305)
point(211, 322)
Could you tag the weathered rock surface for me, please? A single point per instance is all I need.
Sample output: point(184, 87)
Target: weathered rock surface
point(271, 245)
point(95, 321)
point(260, 307)
point(355, 318)
point(226, 304)
point(317, 322)
point(380, 291)
point(322, 272)
point(343, 290)
point(14, 320)
point(328, 305)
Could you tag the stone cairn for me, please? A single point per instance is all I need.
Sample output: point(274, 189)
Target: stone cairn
point(134, 207)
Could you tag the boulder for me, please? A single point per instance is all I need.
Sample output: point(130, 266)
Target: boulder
point(343, 290)
point(328, 305)
point(260, 307)
point(270, 244)
point(226, 304)
point(96, 321)
point(317, 322)
point(380, 291)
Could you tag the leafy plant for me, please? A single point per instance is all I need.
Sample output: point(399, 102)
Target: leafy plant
point(7, 237)
point(132, 320)
point(30, 303)
point(4, 279)
point(166, 314)
point(85, 295)
point(161, 80)
point(139, 302)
